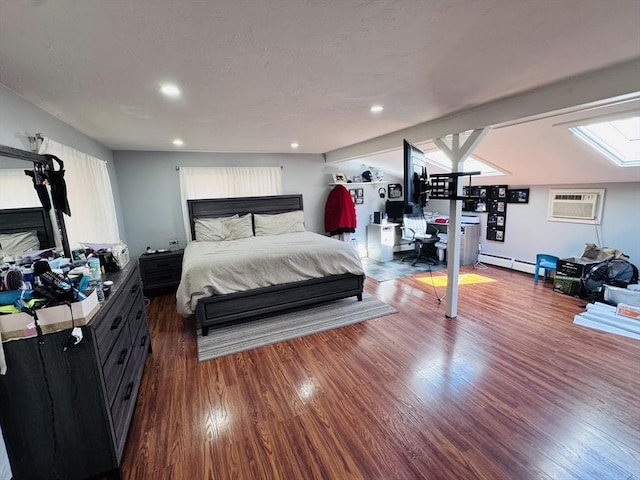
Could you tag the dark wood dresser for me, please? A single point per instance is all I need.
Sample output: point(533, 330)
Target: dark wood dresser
point(161, 271)
point(69, 414)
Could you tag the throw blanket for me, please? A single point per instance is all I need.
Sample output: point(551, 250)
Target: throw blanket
point(219, 268)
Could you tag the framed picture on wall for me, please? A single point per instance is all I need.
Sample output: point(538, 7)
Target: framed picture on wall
point(339, 178)
point(518, 195)
point(395, 190)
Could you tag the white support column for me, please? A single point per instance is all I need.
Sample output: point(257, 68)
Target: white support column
point(457, 155)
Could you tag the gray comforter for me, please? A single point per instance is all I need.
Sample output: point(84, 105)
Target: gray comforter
point(219, 268)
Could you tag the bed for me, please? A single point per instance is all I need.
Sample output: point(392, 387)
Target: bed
point(213, 307)
point(17, 220)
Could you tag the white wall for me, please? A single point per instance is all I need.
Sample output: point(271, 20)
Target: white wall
point(528, 231)
point(20, 119)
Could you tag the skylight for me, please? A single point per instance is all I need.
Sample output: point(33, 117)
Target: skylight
point(618, 140)
point(471, 164)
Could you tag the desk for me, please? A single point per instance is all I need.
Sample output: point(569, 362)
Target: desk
point(380, 241)
point(469, 241)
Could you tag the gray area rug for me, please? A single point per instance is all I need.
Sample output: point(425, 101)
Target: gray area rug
point(383, 271)
point(279, 328)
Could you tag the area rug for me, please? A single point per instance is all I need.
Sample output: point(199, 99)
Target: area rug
point(384, 271)
point(274, 329)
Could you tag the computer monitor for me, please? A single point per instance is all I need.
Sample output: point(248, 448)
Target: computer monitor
point(415, 176)
point(394, 210)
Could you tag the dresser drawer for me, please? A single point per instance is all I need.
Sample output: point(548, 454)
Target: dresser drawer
point(137, 315)
point(115, 317)
point(125, 399)
point(116, 363)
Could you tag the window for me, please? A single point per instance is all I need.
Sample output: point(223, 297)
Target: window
point(93, 212)
point(226, 182)
point(618, 140)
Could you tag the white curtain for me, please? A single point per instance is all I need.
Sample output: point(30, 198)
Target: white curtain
point(226, 182)
point(17, 189)
point(93, 212)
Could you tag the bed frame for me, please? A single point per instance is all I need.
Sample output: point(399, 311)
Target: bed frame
point(14, 220)
point(245, 306)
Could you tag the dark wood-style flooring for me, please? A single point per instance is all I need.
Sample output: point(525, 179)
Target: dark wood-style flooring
point(510, 389)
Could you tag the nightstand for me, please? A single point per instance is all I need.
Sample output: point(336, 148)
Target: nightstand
point(161, 270)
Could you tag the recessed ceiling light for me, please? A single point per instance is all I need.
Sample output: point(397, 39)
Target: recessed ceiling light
point(377, 109)
point(170, 90)
point(178, 143)
point(294, 145)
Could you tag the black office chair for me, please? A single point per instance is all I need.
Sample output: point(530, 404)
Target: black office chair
point(416, 230)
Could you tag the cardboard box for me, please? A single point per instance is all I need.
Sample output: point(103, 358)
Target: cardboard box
point(51, 319)
point(569, 272)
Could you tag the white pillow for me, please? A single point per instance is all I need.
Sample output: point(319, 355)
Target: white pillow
point(13, 244)
point(279, 223)
point(222, 229)
point(212, 229)
point(239, 227)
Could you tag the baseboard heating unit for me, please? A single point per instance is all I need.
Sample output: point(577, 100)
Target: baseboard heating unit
point(507, 262)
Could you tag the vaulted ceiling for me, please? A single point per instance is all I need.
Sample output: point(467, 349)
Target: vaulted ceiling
point(258, 75)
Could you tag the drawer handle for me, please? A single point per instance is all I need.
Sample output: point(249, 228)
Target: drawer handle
point(134, 289)
point(143, 341)
point(163, 265)
point(123, 356)
point(127, 394)
point(116, 322)
point(139, 314)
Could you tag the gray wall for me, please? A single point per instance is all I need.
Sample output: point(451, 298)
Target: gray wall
point(528, 232)
point(20, 119)
point(150, 189)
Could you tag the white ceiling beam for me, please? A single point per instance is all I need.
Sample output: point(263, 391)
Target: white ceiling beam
point(615, 81)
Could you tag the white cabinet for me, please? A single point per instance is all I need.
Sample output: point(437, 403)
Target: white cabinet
point(380, 241)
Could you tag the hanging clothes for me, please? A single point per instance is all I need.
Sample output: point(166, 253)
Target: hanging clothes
point(339, 212)
point(39, 176)
point(58, 187)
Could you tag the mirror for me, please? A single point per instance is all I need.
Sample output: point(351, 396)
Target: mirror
point(18, 190)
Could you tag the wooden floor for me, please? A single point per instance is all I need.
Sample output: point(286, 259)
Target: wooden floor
point(510, 389)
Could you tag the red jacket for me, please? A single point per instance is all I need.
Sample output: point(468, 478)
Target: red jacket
point(339, 212)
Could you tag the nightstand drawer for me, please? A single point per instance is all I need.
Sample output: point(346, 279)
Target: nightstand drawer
point(158, 265)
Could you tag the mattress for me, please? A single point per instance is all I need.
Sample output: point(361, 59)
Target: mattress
point(220, 268)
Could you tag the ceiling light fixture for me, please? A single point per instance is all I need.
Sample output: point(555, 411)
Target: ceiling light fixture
point(178, 143)
point(376, 109)
point(170, 90)
point(294, 145)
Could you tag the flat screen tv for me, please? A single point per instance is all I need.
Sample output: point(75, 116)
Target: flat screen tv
point(415, 176)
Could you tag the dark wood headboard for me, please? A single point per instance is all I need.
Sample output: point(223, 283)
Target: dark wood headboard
point(15, 220)
point(226, 207)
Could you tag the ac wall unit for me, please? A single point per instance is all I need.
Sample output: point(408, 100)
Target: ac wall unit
point(582, 206)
